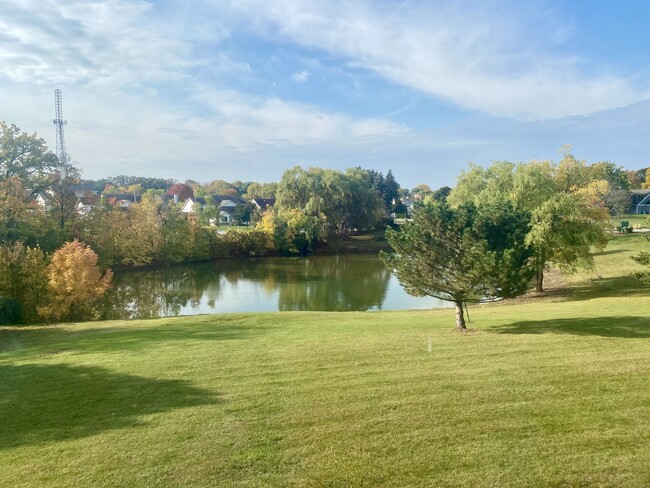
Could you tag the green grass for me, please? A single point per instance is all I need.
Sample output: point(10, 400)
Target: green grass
point(550, 392)
point(634, 219)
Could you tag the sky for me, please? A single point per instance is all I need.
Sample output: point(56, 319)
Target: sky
point(245, 89)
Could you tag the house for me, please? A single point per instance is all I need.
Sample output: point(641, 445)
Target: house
point(120, 200)
point(43, 201)
point(86, 202)
point(640, 201)
point(192, 204)
point(85, 188)
point(262, 204)
point(225, 203)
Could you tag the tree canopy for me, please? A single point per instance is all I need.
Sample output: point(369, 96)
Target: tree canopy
point(27, 157)
point(462, 254)
point(565, 202)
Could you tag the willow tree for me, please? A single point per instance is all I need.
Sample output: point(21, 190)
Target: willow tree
point(463, 254)
point(565, 201)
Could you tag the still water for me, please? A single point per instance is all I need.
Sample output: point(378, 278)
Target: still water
point(334, 283)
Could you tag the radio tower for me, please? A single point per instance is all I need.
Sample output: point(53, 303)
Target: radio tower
point(59, 123)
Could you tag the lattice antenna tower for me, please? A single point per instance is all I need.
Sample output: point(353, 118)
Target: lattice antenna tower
point(59, 123)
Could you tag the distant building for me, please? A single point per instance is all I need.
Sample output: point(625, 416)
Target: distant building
point(640, 202)
point(263, 203)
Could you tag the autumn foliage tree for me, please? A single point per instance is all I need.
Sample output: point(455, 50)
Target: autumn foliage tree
point(75, 283)
point(182, 190)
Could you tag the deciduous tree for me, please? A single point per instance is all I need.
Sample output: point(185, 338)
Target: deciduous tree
point(23, 279)
point(568, 216)
point(26, 157)
point(75, 283)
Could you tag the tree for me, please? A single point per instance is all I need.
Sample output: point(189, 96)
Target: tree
point(182, 190)
point(643, 258)
point(616, 176)
point(143, 241)
point(75, 283)
point(242, 214)
point(565, 232)
point(363, 205)
point(64, 200)
point(646, 182)
point(390, 192)
point(441, 194)
point(317, 192)
point(568, 217)
point(22, 280)
point(463, 254)
point(26, 157)
point(338, 200)
point(260, 190)
point(421, 191)
point(619, 201)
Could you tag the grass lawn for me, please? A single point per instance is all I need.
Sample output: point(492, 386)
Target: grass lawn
point(546, 392)
point(634, 219)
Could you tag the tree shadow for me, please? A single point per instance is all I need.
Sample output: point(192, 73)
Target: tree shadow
point(42, 403)
point(618, 286)
point(627, 327)
point(610, 251)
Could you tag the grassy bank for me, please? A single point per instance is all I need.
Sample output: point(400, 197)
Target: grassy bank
point(546, 392)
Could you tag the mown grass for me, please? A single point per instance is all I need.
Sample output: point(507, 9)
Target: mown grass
point(551, 392)
point(640, 220)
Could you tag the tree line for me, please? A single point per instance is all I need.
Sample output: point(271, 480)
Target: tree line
point(311, 205)
point(565, 206)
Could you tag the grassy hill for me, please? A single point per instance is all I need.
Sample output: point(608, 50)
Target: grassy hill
point(551, 391)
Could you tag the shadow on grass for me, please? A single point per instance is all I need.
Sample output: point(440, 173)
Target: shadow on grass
point(42, 403)
point(610, 251)
point(122, 337)
point(619, 286)
point(628, 327)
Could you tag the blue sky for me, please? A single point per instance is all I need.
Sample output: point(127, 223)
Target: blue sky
point(245, 89)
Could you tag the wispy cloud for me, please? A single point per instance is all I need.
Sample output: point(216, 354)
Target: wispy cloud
point(489, 56)
point(301, 76)
point(243, 89)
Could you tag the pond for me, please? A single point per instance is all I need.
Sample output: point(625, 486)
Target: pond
point(329, 283)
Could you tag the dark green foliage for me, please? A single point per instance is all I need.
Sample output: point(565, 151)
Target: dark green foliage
point(26, 157)
point(235, 243)
point(126, 181)
point(643, 258)
point(242, 214)
point(464, 254)
point(9, 311)
point(441, 194)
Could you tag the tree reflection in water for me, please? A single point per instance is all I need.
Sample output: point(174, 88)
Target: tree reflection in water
point(336, 283)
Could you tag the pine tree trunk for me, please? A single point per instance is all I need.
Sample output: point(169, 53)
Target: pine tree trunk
point(539, 286)
point(460, 316)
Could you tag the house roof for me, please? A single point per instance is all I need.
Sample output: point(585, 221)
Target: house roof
point(120, 196)
point(84, 187)
point(640, 191)
point(263, 203)
point(218, 199)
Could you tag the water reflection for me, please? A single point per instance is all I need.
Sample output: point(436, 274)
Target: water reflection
point(335, 283)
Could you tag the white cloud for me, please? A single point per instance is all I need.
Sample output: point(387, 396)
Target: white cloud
point(107, 44)
point(301, 76)
point(130, 91)
point(486, 56)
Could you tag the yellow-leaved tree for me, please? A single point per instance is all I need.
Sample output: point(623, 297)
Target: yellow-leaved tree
point(75, 283)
